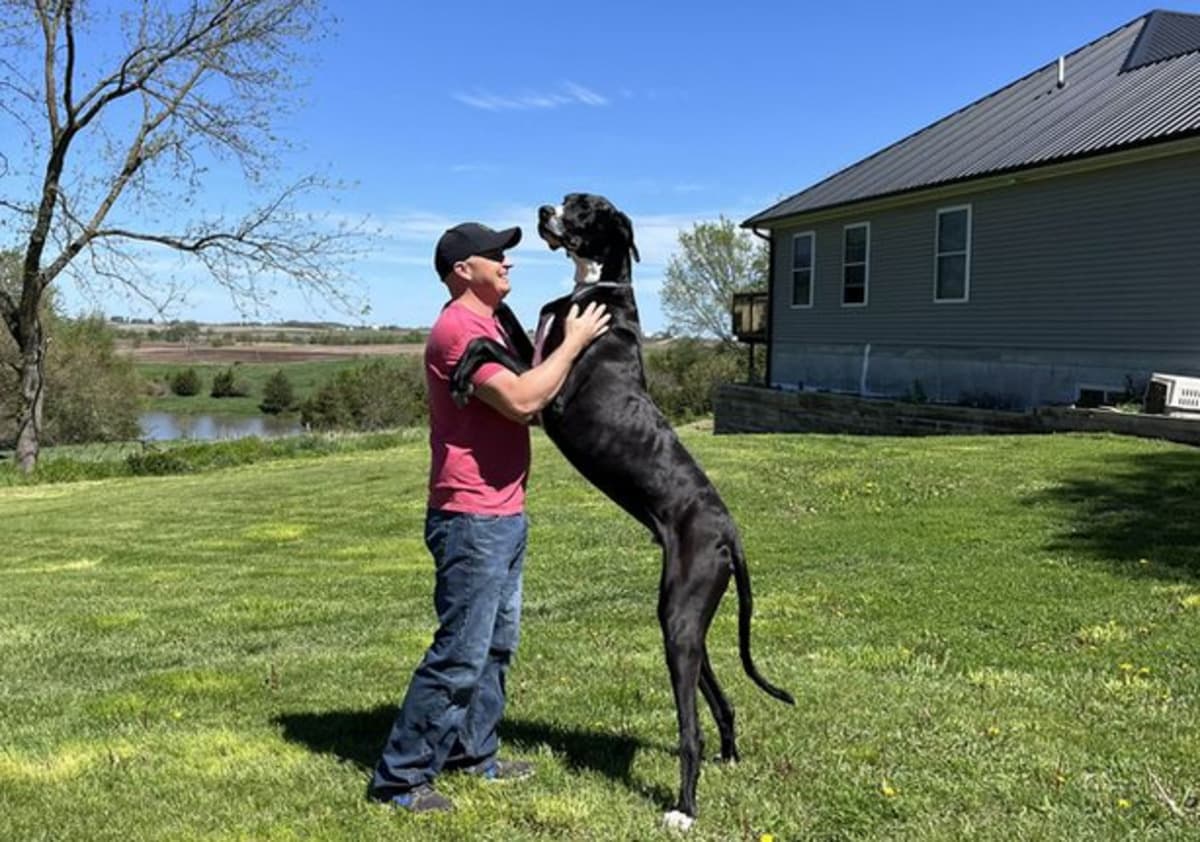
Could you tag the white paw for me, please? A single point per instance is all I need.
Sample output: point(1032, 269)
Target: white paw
point(676, 820)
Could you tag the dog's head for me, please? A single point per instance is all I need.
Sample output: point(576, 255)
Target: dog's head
point(597, 236)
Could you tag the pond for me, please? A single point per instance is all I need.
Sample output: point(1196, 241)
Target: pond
point(164, 426)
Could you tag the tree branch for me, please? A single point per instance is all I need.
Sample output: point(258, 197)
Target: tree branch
point(134, 158)
point(160, 304)
point(69, 69)
point(172, 51)
point(49, 21)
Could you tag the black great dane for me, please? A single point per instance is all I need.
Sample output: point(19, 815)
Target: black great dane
point(607, 426)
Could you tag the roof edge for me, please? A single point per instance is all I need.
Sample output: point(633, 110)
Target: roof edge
point(1040, 69)
point(759, 220)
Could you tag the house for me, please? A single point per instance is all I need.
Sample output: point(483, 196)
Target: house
point(1039, 246)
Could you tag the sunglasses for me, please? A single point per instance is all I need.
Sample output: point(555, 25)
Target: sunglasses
point(496, 255)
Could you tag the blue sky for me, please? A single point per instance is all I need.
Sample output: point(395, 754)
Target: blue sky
point(678, 112)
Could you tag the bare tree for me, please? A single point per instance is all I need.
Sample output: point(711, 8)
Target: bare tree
point(127, 119)
point(715, 260)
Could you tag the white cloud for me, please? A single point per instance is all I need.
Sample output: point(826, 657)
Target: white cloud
point(584, 95)
point(568, 93)
point(415, 227)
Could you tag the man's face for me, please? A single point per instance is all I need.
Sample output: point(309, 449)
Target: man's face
point(488, 276)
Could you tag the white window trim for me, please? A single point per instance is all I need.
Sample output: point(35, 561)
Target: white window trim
point(937, 224)
point(812, 271)
point(866, 267)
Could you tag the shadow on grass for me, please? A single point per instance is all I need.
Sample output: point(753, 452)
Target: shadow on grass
point(358, 736)
point(1142, 507)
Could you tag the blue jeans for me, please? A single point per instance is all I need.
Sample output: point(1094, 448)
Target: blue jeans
point(451, 712)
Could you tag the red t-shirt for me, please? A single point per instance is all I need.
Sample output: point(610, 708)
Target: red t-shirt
point(480, 459)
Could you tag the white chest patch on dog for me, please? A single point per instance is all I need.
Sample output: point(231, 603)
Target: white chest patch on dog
point(586, 271)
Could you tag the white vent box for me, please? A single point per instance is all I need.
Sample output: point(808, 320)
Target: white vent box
point(1171, 394)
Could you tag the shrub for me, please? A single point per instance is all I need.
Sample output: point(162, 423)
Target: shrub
point(92, 392)
point(683, 376)
point(157, 463)
point(186, 383)
point(278, 395)
point(374, 396)
point(226, 385)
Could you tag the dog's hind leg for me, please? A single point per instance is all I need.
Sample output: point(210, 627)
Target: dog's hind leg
point(683, 636)
point(722, 710)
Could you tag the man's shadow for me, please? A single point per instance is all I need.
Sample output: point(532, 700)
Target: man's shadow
point(358, 736)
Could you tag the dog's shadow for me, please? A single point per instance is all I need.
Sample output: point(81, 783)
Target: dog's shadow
point(358, 736)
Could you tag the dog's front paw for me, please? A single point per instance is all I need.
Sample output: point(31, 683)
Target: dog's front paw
point(461, 394)
point(676, 820)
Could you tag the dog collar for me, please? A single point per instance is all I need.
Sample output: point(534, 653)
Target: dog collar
point(581, 289)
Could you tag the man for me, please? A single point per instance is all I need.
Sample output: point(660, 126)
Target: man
point(475, 528)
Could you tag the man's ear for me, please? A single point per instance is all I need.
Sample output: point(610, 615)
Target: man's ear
point(458, 280)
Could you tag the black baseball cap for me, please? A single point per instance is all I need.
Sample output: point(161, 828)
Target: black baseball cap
point(467, 239)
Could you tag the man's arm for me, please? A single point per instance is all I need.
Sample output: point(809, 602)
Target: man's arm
point(521, 396)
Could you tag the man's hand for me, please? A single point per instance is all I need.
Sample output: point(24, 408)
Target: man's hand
point(580, 329)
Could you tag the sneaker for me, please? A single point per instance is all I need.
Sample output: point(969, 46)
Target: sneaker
point(502, 770)
point(422, 799)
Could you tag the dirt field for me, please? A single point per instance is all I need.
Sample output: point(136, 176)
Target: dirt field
point(263, 352)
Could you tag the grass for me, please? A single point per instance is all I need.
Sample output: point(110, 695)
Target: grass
point(305, 378)
point(989, 638)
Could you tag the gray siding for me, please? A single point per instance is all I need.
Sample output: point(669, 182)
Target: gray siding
point(1093, 267)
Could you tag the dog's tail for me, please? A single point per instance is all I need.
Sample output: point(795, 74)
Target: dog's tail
point(741, 575)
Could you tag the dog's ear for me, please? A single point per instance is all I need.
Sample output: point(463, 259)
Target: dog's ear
point(626, 226)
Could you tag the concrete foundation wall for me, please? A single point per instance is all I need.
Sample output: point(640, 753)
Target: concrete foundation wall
point(754, 409)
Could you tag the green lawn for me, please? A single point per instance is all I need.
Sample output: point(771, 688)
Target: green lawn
point(305, 378)
point(988, 638)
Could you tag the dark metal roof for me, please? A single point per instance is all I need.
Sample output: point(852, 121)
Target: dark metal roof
point(1139, 84)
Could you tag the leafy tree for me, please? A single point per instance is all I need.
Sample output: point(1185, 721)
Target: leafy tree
point(94, 392)
point(374, 396)
point(683, 376)
point(278, 395)
point(715, 260)
point(108, 160)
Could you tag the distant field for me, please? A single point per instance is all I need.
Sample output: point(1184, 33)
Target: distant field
point(307, 367)
point(179, 353)
point(305, 376)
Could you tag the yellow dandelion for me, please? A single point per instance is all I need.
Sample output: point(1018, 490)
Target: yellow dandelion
point(993, 731)
point(1124, 803)
point(888, 790)
point(766, 837)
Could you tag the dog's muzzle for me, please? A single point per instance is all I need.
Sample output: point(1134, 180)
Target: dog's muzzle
point(550, 226)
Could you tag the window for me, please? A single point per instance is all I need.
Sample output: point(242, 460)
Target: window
point(803, 260)
point(952, 261)
point(856, 249)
